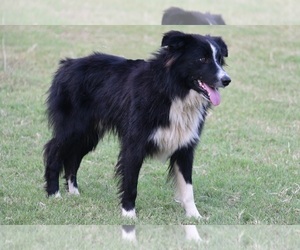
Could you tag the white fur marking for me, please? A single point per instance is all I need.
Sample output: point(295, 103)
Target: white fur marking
point(72, 188)
point(129, 236)
point(185, 116)
point(57, 195)
point(185, 195)
point(191, 233)
point(221, 72)
point(129, 214)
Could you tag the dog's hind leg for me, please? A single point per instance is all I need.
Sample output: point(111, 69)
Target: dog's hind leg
point(181, 168)
point(53, 167)
point(79, 146)
point(71, 166)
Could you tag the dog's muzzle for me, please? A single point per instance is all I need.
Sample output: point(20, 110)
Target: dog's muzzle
point(225, 80)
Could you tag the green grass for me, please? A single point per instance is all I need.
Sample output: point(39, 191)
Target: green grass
point(247, 164)
point(149, 237)
point(139, 12)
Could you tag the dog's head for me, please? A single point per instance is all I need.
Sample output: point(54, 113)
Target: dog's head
point(198, 61)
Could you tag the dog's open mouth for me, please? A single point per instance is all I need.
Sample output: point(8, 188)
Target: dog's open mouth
point(211, 94)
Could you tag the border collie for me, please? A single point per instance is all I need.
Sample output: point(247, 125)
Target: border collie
point(177, 16)
point(157, 108)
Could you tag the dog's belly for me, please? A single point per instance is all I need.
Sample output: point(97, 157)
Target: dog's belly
point(185, 117)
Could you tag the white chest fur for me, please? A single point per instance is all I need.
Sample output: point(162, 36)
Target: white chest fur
point(185, 116)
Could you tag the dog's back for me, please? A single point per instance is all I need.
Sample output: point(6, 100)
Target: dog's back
point(72, 93)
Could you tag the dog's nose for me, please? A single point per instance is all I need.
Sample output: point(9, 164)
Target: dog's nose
point(225, 80)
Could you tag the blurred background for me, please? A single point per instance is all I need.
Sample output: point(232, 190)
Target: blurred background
point(140, 12)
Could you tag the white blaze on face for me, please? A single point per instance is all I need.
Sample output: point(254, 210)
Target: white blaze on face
point(185, 195)
point(221, 73)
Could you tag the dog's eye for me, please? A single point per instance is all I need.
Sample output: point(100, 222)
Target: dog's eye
point(220, 60)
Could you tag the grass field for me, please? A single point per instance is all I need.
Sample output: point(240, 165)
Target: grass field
point(247, 164)
point(149, 237)
point(140, 12)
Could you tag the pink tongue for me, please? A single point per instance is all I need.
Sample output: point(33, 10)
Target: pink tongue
point(214, 95)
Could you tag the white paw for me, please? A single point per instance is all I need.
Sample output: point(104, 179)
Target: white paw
point(72, 188)
point(191, 233)
point(192, 211)
point(56, 195)
point(129, 214)
point(129, 235)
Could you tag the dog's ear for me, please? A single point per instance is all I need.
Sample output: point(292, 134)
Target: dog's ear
point(174, 40)
point(219, 41)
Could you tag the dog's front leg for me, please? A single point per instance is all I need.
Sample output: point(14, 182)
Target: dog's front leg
point(181, 167)
point(128, 169)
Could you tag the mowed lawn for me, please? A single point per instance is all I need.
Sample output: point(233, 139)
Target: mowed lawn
point(247, 165)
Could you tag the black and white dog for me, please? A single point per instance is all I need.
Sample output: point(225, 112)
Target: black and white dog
point(157, 107)
point(177, 16)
